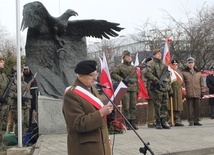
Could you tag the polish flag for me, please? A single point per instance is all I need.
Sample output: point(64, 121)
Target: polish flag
point(166, 54)
point(142, 91)
point(105, 78)
point(167, 59)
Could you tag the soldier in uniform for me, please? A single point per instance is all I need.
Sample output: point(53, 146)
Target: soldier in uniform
point(177, 95)
point(159, 92)
point(150, 107)
point(3, 102)
point(195, 89)
point(126, 72)
point(32, 88)
point(210, 85)
point(25, 105)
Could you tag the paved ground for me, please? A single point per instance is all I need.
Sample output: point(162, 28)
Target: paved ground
point(187, 140)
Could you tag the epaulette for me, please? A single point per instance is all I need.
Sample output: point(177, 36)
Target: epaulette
point(69, 88)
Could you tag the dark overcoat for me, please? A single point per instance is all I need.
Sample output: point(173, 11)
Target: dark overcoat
point(87, 130)
point(210, 85)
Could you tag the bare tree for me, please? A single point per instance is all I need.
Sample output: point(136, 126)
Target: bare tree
point(192, 38)
point(195, 38)
point(7, 43)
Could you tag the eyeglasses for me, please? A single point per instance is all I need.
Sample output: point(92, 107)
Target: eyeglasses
point(94, 75)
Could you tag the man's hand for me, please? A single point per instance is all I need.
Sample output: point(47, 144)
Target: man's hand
point(28, 86)
point(106, 109)
point(170, 94)
point(202, 94)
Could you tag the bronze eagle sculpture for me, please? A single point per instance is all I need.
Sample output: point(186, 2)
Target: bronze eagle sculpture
point(55, 45)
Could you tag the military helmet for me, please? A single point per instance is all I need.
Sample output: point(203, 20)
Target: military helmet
point(125, 53)
point(1, 58)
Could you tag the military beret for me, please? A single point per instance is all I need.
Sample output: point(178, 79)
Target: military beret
point(155, 51)
point(148, 59)
point(190, 59)
point(86, 67)
point(125, 53)
point(174, 61)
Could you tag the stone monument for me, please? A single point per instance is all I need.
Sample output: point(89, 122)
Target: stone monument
point(53, 47)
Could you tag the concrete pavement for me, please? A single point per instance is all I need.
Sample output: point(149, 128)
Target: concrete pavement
point(187, 140)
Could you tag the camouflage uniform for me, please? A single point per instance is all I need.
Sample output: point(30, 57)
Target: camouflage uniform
point(25, 108)
point(159, 96)
point(150, 106)
point(119, 73)
point(4, 106)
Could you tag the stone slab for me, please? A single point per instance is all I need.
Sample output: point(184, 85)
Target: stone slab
point(50, 117)
point(20, 151)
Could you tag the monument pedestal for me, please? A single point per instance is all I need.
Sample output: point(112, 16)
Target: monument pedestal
point(50, 117)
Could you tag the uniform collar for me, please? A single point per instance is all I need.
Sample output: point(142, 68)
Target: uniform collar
point(127, 63)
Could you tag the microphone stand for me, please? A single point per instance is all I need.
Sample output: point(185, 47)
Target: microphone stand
point(146, 145)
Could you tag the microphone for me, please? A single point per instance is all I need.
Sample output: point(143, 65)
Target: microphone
point(101, 85)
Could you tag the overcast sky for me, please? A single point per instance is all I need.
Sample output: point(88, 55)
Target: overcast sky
point(129, 13)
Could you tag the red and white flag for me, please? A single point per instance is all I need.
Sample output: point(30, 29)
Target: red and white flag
point(105, 78)
point(166, 54)
point(142, 91)
point(136, 63)
point(167, 59)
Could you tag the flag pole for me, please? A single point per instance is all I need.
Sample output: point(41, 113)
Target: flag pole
point(166, 60)
point(19, 105)
point(171, 111)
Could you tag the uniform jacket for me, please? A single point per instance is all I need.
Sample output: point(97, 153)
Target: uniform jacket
point(193, 82)
point(122, 70)
point(177, 94)
point(153, 74)
point(147, 83)
point(3, 82)
point(87, 130)
point(13, 95)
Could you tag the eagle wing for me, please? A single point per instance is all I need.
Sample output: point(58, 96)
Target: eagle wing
point(93, 28)
point(35, 16)
point(44, 55)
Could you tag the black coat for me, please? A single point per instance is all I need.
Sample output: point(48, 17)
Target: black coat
point(210, 85)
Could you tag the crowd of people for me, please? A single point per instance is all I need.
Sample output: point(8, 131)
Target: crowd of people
point(85, 110)
point(167, 95)
point(8, 101)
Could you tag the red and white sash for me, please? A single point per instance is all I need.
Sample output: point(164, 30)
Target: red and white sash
point(88, 97)
point(178, 76)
